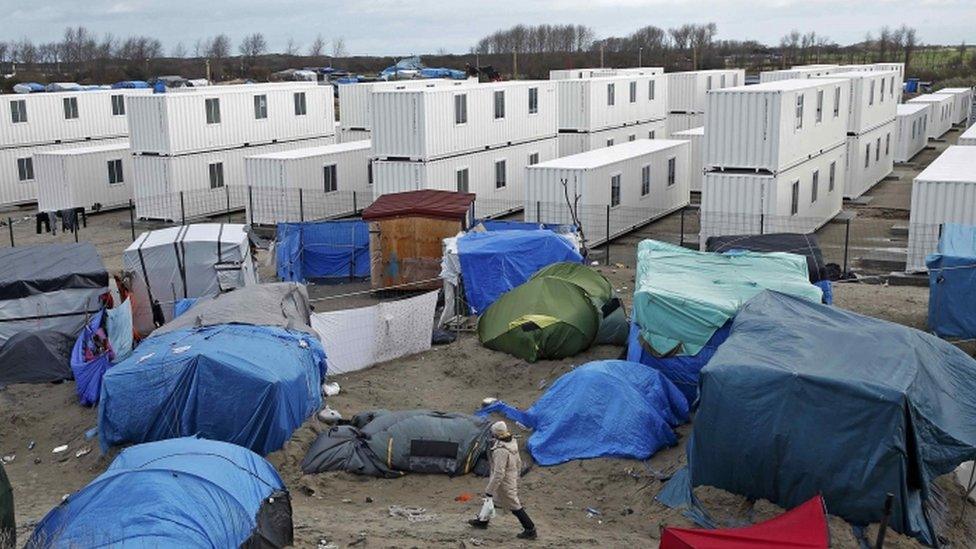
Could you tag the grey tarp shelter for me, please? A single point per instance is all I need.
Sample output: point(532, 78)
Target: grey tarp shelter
point(36, 356)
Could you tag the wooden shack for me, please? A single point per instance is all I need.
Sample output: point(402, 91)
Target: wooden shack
point(406, 234)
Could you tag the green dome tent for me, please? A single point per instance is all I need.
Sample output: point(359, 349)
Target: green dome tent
point(613, 318)
point(8, 526)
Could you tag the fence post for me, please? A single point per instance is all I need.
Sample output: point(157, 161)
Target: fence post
point(10, 225)
point(608, 235)
point(355, 203)
point(301, 205)
point(227, 195)
point(132, 219)
point(250, 203)
point(681, 241)
point(74, 229)
point(847, 243)
point(538, 212)
point(762, 222)
point(182, 210)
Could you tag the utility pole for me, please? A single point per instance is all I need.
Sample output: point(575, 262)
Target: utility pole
point(640, 52)
point(514, 65)
point(601, 55)
point(208, 70)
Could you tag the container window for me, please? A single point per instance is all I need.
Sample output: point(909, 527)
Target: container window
point(461, 108)
point(216, 175)
point(735, 79)
point(632, 137)
point(877, 150)
point(25, 169)
point(722, 82)
point(118, 105)
point(650, 134)
point(609, 142)
point(645, 180)
point(500, 175)
point(533, 100)
point(892, 86)
point(671, 169)
point(499, 104)
point(330, 178)
point(461, 180)
point(70, 108)
point(867, 156)
point(533, 159)
point(18, 111)
point(633, 92)
point(301, 109)
point(610, 94)
point(887, 144)
point(799, 111)
point(260, 107)
point(836, 101)
point(615, 190)
point(795, 200)
point(819, 106)
point(213, 110)
point(369, 172)
point(871, 94)
point(814, 187)
point(650, 90)
point(881, 92)
point(832, 177)
point(115, 176)
point(708, 82)
point(913, 128)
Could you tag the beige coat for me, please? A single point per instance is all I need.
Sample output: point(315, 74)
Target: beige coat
point(506, 463)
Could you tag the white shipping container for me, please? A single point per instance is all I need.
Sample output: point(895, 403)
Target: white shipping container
point(569, 74)
point(870, 158)
point(962, 103)
point(637, 182)
point(680, 121)
point(911, 131)
point(495, 176)
point(433, 123)
point(95, 177)
point(873, 99)
point(18, 175)
point(208, 182)
point(578, 142)
point(944, 192)
point(224, 117)
point(797, 73)
point(345, 135)
point(775, 126)
point(593, 104)
point(798, 200)
point(335, 180)
point(686, 90)
point(60, 117)
point(694, 136)
point(968, 137)
point(940, 113)
point(355, 112)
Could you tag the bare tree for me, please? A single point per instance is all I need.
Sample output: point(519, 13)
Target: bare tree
point(253, 45)
point(179, 51)
point(909, 44)
point(317, 48)
point(291, 48)
point(884, 41)
point(218, 47)
point(339, 47)
point(4, 52)
point(25, 52)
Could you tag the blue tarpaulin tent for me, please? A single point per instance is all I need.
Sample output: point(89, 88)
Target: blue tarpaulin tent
point(607, 408)
point(493, 263)
point(322, 250)
point(184, 492)
point(803, 398)
point(952, 283)
point(88, 373)
point(249, 385)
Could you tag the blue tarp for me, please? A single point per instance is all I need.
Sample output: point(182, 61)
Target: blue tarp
point(443, 73)
point(88, 374)
point(185, 492)
point(607, 408)
point(183, 305)
point(952, 283)
point(249, 385)
point(493, 263)
point(130, 84)
point(322, 250)
point(803, 398)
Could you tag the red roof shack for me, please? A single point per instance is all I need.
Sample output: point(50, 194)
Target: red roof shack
point(406, 234)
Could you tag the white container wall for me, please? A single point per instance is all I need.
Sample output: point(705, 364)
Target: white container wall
point(569, 74)
point(968, 137)
point(355, 111)
point(496, 176)
point(962, 103)
point(60, 117)
point(939, 115)
point(345, 135)
point(434, 123)
point(592, 104)
point(873, 99)
point(636, 182)
point(18, 173)
point(775, 126)
point(694, 136)
point(943, 193)
point(752, 203)
point(224, 117)
point(911, 131)
point(686, 90)
point(308, 183)
point(95, 177)
point(681, 121)
point(797, 73)
point(210, 182)
point(577, 142)
point(870, 158)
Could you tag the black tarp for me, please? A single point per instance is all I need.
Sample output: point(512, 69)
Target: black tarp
point(794, 243)
point(36, 356)
point(8, 526)
point(31, 270)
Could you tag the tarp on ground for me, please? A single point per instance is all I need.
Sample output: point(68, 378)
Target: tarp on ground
point(388, 444)
point(184, 492)
point(322, 250)
point(794, 243)
point(803, 527)
point(803, 398)
point(281, 304)
point(40, 356)
point(8, 523)
point(607, 408)
point(683, 296)
point(493, 263)
point(952, 283)
point(249, 385)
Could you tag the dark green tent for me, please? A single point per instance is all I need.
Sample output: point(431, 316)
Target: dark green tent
point(613, 318)
point(8, 526)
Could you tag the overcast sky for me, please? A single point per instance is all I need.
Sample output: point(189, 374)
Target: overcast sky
point(400, 27)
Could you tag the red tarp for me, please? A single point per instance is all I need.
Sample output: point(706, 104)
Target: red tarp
point(424, 203)
point(802, 527)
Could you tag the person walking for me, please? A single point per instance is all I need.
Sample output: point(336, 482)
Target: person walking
point(506, 464)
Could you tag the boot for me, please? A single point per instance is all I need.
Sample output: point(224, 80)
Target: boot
point(479, 524)
point(528, 527)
